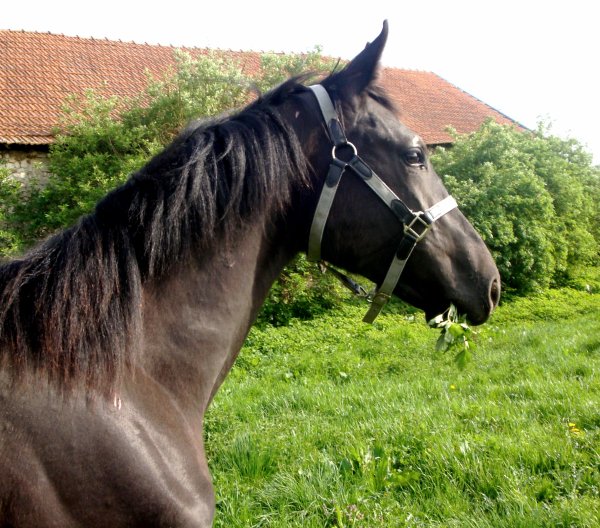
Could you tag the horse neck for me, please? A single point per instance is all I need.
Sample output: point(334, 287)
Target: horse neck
point(196, 318)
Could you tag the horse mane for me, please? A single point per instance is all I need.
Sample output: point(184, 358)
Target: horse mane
point(71, 308)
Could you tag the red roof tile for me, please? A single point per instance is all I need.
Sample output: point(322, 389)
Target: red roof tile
point(429, 104)
point(39, 70)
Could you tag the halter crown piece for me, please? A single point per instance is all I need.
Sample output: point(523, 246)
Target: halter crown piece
point(416, 223)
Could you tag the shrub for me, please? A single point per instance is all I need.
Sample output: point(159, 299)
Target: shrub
point(301, 292)
point(526, 193)
point(9, 241)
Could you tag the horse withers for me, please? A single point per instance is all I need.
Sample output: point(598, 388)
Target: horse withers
point(115, 334)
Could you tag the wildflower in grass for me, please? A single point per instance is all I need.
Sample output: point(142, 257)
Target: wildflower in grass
point(452, 387)
point(573, 429)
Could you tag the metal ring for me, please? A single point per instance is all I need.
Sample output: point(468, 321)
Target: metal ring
point(347, 144)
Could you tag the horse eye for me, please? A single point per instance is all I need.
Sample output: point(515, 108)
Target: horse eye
point(414, 156)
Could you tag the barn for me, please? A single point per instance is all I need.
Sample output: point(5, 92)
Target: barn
point(38, 71)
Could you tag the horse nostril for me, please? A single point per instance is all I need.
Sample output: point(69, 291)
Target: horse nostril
point(495, 293)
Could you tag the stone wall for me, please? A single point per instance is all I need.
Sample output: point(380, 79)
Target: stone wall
point(24, 163)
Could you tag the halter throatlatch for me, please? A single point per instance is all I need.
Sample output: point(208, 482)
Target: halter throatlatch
point(416, 223)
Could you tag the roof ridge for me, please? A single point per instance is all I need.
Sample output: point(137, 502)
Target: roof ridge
point(137, 43)
point(415, 70)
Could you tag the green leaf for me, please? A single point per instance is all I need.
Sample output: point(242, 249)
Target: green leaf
point(462, 358)
point(456, 329)
point(455, 334)
point(442, 345)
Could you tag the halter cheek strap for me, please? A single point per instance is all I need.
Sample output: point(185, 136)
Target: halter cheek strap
point(416, 223)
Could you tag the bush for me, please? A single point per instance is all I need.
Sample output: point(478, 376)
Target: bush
point(9, 241)
point(301, 292)
point(526, 194)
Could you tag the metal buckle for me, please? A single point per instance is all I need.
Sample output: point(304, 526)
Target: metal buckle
point(380, 299)
point(424, 223)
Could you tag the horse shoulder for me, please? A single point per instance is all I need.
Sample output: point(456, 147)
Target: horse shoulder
point(97, 462)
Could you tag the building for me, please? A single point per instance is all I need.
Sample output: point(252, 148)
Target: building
point(38, 71)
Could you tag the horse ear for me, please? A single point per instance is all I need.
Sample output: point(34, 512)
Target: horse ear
point(362, 70)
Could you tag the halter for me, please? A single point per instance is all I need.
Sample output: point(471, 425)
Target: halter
point(416, 223)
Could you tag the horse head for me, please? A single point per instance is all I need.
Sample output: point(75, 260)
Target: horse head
point(381, 204)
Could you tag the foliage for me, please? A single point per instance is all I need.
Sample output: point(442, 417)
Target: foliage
point(200, 87)
point(456, 335)
point(9, 241)
point(530, 195)
point(276, 68)
point(301, 292)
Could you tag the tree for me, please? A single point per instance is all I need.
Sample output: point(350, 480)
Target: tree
point(526, 193)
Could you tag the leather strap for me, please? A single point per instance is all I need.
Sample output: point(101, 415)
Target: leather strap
point(330, 115)
point(322, 211)
point(416, 224)
point(407, 245)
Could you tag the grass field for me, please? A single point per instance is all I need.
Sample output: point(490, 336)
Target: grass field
point(333, 422)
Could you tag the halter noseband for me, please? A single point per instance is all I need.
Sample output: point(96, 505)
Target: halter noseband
point(416, 223)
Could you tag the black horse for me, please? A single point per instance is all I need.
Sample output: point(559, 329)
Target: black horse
point(116, 333)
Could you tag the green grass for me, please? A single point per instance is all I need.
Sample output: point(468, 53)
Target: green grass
point(332, 422)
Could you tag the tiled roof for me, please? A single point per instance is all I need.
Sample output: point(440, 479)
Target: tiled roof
point(429, 104)
point(39, 70)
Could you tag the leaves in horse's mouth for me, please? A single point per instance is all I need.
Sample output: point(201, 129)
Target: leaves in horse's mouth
point(455, 334)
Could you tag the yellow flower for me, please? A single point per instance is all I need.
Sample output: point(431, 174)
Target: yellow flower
point(573, 429)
